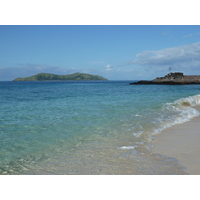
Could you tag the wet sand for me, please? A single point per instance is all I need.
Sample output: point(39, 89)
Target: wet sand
point(182, 141)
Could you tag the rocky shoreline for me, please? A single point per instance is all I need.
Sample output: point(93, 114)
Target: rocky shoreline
point(176, 78)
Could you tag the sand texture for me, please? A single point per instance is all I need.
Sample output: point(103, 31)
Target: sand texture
point(182, 141)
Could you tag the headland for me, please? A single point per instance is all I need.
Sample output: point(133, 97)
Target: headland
point(176, 78)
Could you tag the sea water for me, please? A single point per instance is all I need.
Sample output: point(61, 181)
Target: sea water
point(96, 127)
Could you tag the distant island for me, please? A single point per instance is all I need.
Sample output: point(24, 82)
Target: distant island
point(176, 78)
point(54, 77)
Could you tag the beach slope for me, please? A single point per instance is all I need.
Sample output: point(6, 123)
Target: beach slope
point(182, 141)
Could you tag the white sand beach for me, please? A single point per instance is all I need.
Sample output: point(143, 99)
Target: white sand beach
point(182, 141)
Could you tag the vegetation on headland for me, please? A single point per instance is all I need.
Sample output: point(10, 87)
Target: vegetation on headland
point(54, 77)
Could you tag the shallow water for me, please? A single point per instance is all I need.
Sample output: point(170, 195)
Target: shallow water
point(89, 127)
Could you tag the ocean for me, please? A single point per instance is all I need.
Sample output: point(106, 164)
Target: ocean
point(90, 127)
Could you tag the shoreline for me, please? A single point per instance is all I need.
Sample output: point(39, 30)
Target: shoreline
point(181, 141)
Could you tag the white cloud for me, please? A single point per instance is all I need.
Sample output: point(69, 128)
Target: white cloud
point(191, 35)
point(186, 36)
point(108, 67)
point(179, 57)
point(165, 33)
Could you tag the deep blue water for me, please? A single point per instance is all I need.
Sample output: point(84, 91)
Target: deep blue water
point(102, 127)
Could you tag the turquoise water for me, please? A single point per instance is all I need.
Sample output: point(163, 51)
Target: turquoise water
point(89, 127)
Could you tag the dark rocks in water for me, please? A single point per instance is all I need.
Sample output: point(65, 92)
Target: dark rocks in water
point(141, 82)
point(176, 78)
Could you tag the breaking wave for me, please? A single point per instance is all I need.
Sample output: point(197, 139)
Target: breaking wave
point(189, 101)
point(178, 112)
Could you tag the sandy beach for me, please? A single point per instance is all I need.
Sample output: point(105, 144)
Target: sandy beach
point(182, 141)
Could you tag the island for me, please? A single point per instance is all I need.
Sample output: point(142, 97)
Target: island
point(176, 78)
point(55, 77)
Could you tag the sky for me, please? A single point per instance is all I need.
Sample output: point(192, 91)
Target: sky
point(116, 52)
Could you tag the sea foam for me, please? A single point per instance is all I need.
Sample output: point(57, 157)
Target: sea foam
point(180, 111)
point(127, 147)
point(189, 101)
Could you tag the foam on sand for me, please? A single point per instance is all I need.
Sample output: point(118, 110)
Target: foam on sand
point(182, 142)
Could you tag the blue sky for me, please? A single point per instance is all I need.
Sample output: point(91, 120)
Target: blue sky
point(120, 52)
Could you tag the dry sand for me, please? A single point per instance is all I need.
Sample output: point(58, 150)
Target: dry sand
point(182, 141)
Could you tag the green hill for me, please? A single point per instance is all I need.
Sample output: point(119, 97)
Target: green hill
point(54, 77)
